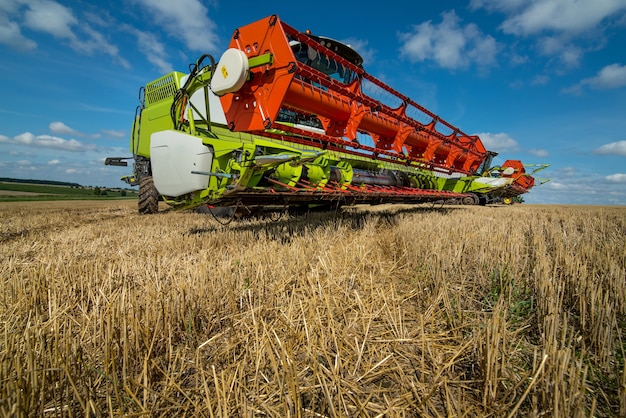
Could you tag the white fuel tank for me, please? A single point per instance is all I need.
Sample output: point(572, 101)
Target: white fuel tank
point(173, 156)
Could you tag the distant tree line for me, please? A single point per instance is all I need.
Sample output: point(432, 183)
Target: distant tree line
point(103, 191)
point(31, 181)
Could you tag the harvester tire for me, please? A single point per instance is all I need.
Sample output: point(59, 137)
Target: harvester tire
point(469, 200)
point(148, 202)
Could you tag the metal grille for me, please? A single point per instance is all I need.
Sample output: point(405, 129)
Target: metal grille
point(161, 89)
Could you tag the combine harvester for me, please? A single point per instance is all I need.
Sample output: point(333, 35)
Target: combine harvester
point(287, 119)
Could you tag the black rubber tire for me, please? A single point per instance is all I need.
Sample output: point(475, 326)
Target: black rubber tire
point(468, 200)
point(148, 202)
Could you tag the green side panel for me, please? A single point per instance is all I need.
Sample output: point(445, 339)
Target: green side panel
point(155, 116)
point(458, 185)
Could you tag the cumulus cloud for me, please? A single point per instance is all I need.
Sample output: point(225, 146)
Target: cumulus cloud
point(54, 162)
point(186, 20)
point(581, 187)
point(556, 185)
point(62, 129)
point(449, 44)
point(92, 34)
point(50, 17)
point(541, 153)
point(612, 148)
point(55, 19)
point(96, 42)
point(567, 171)
point(499, 142)
point(8, 6)
point(11, 35)
point(113, 133)
point(616, 178)
point(558, 23)
point(610, 77)
point(529, 17)
point(48, 141)
point(562, 47)
point(153, 49)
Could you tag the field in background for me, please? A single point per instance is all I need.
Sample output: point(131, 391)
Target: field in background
point(391, 311)
point(16, 192)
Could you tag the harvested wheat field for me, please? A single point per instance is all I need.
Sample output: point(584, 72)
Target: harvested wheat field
point(390, 311)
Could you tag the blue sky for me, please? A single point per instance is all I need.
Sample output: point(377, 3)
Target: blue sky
point(543, 81)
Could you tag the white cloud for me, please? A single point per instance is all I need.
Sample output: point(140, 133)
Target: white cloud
point(8, 6)
point(50, 162)
point(529, 17)
point(54, 19)
point(23, 163)
point(71, 171)
point(556, 185)
point(560, 24)
point(50, 17)
point(562, 47)
point(449, 44)
point(11, 35)
point(567, 171)
point(154, 50)
point(62, 129)
point(583, 187)
point(52, 142)
point(96, 42)
point(48, 141)
point(616, 178)
point(541, 153)
point(561, 15)
point(610, 77)
point(612, 148)
point(499, 142)
point(113, 133)
point(186, 20)
point(24, 139)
